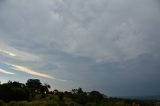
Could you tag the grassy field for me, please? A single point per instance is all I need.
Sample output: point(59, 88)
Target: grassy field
point(53, 100)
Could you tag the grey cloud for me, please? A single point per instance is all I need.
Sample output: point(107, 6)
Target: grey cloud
point(76, 40)
point(116, 26)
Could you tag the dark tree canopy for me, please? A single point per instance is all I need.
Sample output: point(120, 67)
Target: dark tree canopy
point(34, 85)
point(18, 91)
point(13, 91)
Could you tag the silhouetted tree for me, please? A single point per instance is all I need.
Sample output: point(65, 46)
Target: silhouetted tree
point(13, 91)
point(34, 85)
point(44, 89)
point(61, 95)
point(95, 96)
point(56, 91)
point(79, 96)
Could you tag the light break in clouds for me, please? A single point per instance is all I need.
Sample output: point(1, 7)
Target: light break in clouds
point(5, 72)
point(32, 72)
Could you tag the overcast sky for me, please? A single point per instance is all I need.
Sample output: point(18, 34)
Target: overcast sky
point(112, 46)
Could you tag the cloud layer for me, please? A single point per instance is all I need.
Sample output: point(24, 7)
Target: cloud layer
point(75, 40)
point(29, 71)
point(5, 72)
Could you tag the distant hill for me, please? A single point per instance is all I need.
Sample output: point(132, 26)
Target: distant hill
point(142, 97)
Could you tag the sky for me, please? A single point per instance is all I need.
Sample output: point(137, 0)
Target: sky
point(112, 46)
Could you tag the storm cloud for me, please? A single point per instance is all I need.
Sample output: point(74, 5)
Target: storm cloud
point(107, 45)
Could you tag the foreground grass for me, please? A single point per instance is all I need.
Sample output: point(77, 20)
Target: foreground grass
point(53, 100)
point(37, 101)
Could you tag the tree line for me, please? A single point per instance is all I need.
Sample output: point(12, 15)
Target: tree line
point(16, 91)
point(19, 91)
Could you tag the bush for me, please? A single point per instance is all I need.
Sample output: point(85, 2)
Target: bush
point(71, 104)
point(12, 103)
point(2, 103)
point(52, 103)
point(23, 103)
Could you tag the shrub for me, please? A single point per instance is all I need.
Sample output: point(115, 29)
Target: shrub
point(71, 104)
point(2, 103)
point(12, 103)
point(52, 104)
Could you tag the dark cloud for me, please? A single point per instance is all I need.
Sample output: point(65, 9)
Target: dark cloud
point(109, 45)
